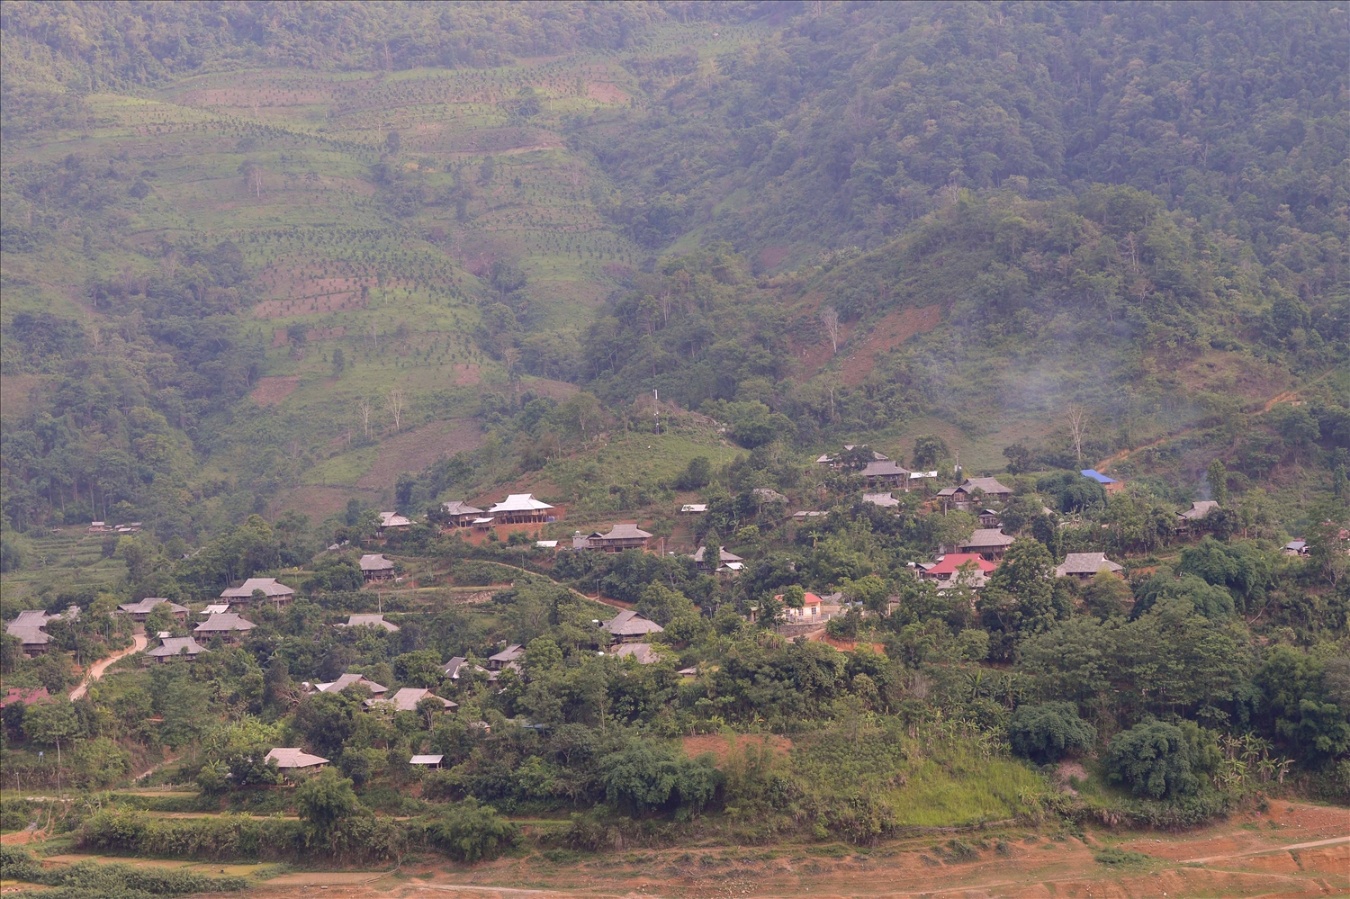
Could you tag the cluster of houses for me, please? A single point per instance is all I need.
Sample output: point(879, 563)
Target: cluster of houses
point(292, 760)
point(102, 527)
point(518, 508)
point(628, 633)
point(967, 565)
point(879, 470)
point(978, 555)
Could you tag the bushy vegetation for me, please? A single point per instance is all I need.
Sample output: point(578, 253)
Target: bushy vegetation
point(469, 832)
point(89, 880)
point(1046, 732)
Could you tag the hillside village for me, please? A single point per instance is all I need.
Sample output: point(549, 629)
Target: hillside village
point(746, 448)
point(977, 571)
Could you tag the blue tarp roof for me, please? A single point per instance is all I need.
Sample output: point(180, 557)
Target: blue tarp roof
point(1097, 476)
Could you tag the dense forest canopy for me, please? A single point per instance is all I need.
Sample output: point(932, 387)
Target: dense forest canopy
point(275, 272)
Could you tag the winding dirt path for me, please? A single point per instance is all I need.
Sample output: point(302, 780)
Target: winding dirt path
point(1334, 841)
point(1292, 395)
point(96, 670)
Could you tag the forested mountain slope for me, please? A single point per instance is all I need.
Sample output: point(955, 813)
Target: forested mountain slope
point(391, 225)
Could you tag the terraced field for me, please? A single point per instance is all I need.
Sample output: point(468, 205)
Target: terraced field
point(372, 208)
point(71, 557)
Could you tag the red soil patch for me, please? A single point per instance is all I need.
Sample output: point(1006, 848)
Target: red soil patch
point(888, 334)
point(1282, 824)
point(503, 531)
point(308, 305)
point(815, 357)
point(467, 373)
point(417, 449)
point(1328, 860)
point(604, 92)
point(721, 746)
point(22, 837)
point(771, 257)
point(273, 389)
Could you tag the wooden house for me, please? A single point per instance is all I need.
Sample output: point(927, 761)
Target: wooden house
point(30, 627)
point(630, 627)
point(520, 508)
point(991, 543)
point(392, 521)
point(642, 653)
point(176, 648)
point(292, 758)
point(726, 561)
point(1085, 566)
point(510, 656)
point(459, 665)
point(349, 680)
point(619, 538)
point(275, 592)
point(885, 473)
point(460, 514)
point(839, 460)
point(228, 627)
point(375, 567)
point(972, 492)
point(1195, 515)
point(406, 700)
point(139, 611)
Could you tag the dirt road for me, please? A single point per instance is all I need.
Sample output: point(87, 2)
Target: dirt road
point(96, 670)
point(1293, 849)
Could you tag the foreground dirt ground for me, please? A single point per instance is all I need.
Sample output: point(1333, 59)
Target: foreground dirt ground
point(1292, 849)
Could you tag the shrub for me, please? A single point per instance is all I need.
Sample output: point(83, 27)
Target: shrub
point(1048, 731)
point(1114, 856)
point(643, 779)
point(89, 879)
point(469, 832)
point(696, 475)
point(1160, 761)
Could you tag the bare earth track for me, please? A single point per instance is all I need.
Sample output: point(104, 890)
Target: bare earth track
point(139, 642)
point(1292, 850)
